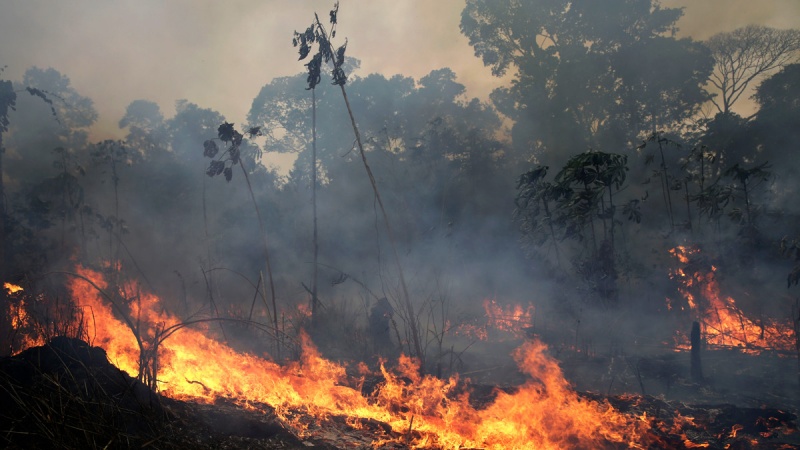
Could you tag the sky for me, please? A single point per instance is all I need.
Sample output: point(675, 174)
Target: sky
point(219, 54)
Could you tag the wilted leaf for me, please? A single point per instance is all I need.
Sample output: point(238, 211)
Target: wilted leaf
point(254, 131)
point(340, 54)
point(334, 12)
point(215, 168)
point(304, 51)
point(314, 71)
point(210, 148)
point(226, 132)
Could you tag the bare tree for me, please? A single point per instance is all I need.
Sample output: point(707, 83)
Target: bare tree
point(747, 53)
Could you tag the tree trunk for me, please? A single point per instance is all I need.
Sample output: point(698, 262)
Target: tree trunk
point(696, 368)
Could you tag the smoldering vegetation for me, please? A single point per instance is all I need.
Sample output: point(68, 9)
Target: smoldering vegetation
point(568, 191)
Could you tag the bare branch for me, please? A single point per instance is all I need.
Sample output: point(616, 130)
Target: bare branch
point(747, 54)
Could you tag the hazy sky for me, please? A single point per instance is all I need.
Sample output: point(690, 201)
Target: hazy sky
point(219, 54)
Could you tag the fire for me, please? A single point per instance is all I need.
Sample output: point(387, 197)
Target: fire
point(22, 323)
point(12, 288)
point(513, 319)
point(723, 323)
point(544, 413)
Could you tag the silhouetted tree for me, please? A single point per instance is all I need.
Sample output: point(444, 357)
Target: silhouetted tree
point(586, 74)
point(745, 54)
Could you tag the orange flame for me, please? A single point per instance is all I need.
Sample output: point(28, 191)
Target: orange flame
point(544, 413)
point(12, 288)
point(723, 323)
point(513, 319)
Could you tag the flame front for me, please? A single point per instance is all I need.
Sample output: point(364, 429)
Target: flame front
point(544, 413)
point(723, 323)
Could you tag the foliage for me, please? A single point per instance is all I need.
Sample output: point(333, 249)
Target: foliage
point(223, 164)
point(586, 74)
point(580, 204)
point(316, 33)
point(743, 55)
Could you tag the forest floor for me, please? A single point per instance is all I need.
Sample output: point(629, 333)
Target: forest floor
point(67, 395)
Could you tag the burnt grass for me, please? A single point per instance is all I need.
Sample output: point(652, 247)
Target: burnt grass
point(66, 394)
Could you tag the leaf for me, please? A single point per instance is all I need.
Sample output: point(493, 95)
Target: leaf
point(334, 12)
point(340, 54)
point(304, 51)
point(43, 95)
point(210, 148)
point(215, 168)
point(254, 131)
point(228, 173)
point(314, 71)
point(226, 132)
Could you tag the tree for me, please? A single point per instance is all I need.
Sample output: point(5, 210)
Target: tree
point(317, 32)
point(776, 121)
point(579, 68)
point(746, 54)
point(8, 102)
point(581, 203)
point(535, 204)
point(145, 124)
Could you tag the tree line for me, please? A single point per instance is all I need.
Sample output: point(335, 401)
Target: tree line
point(614, 141)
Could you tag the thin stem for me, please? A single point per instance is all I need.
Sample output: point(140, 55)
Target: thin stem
point(266, 250)
point(389, 231)
point(314, 300)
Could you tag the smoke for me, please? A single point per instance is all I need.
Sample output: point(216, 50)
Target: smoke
point(196, 239)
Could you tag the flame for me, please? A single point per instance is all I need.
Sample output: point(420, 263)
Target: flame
point(544, 413)
point(512, 319)
point(12, 288)
point(22, 323)
point(723, 323)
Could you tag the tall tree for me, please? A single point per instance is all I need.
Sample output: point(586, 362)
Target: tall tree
point(746, 54)
point(578, 67)
point(145, 125)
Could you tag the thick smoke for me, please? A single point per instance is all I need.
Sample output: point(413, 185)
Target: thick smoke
point(448, 168)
